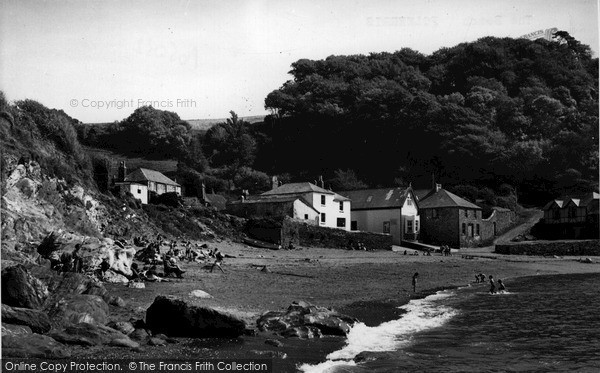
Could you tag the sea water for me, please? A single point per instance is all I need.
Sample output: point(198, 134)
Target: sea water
point(542, 324)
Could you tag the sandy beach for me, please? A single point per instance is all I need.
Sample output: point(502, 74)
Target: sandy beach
point(367, 285)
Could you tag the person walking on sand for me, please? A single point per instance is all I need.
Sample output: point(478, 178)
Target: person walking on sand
point(219, 260)
point(492, 285)
point(414, 281)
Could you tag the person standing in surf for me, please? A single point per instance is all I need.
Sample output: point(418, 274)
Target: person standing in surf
point(414, 281)
point(492, 285)
point(501, 286)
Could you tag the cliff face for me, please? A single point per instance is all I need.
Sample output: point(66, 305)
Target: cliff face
point(34, 205)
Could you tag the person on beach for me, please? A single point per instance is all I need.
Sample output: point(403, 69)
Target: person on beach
point(104, 266)
point(414, 281)
point(501, 286)
point(476, 279)
point(492, 285)
point(219, 260)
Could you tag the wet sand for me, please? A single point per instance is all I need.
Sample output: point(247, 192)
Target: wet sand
point(366, 285)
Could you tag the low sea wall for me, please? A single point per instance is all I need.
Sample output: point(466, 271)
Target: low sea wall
point(571, 247)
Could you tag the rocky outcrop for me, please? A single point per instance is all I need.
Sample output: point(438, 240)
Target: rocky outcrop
point(305, 320)
point(175, 318)
point(89, 335)
point(32, 346)
point(78, 308)
point(37, 320)
point(20, 289)
point(10, 329)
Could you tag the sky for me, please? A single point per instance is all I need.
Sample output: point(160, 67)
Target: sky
point(100, 60)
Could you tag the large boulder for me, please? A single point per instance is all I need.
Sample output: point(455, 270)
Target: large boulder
point(37, 320)
point(301, 319)
point(21, 289)
point(10, 329)
point(32, 346)
point(89, 335)
point(78, 308)
point(174, 317)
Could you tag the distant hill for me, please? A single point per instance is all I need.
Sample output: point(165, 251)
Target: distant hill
point(205, 124)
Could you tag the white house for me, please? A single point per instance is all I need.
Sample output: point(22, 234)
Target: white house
point(138, 190)
point(390, 210)
point(142, 181)
point(333, 209)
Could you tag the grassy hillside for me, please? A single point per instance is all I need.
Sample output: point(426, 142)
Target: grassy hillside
point(167, 166)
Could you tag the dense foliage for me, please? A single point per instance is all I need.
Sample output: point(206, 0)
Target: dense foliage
point(487, 115)
point(31, 131)
point(491, 112)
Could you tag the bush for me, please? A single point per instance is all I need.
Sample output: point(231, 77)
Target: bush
point(171, 199)
point(253, 181)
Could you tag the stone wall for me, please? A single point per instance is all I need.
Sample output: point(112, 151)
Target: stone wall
point(581, 248)
point(440, 230)
point(502, 219)
point(258, 209)
point(313, 235)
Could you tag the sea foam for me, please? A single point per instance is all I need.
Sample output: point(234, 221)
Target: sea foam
point(421, 314)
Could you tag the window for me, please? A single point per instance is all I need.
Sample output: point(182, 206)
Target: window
point(139, 191)
point(409, 226)
point(572, 212)
point(408, 201)
point(354, 225)
point(464, 229)
point(471, 233)
point(322, 218)
point(305, 216)
point(434, 213)
point(466, 213)
point(416, 225)
point(342, 206)
point(556, 214)
point(386, 227)
point(341, 222)
point(477, 230)
point(323, 200)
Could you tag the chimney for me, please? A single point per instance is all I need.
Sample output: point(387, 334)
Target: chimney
point(203, 193)
point(321, 182)
point(122, 171)
point(438, 187)
point(274, 182)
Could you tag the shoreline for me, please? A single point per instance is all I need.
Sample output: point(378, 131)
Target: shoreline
point(367, 285)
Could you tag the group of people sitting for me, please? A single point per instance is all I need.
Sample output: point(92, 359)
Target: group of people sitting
point(67, 262)
point(358, 246)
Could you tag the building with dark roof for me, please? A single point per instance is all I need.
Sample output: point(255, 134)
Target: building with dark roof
point(391, 211)
point(447, 219)
point(142, 181)
point(572, 217)
point(305, 199)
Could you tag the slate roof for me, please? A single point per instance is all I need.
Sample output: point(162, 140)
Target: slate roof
point(582, 201)
point(273, 200)
point(144, 174)
point(444, 198)
point(297, 188)
point(420, 193)
point(217, 201)
point(365, 199)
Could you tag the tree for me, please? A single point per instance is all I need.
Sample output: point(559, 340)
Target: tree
point(230, 144)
